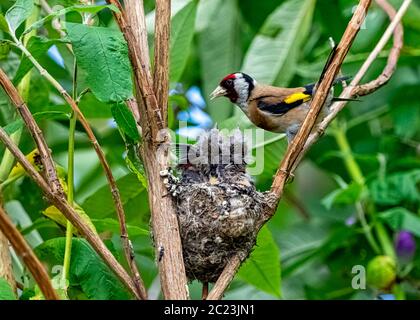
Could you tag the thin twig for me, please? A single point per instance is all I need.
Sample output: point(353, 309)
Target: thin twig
point(69, 212)
point(395, 28)
point(29, 258)
point(35, 131)
point(128, 249)
point(108, 173)
point(296, 146)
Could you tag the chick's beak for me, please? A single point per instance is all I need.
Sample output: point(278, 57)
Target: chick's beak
point(218, 92)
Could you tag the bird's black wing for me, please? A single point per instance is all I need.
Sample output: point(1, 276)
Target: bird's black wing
point(280, 105)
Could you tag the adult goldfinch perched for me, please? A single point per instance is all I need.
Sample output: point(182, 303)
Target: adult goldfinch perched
point(271, 108)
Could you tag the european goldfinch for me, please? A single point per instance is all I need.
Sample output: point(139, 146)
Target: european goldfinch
point(271, 108)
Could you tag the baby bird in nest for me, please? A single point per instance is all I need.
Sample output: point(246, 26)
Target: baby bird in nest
point(217, 204)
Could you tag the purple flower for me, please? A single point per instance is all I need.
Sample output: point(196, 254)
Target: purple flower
point(405, 245)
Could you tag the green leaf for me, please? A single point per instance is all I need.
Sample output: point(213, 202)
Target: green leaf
point(6, 291)
point(38, 47)
point(109, 224)
point(274, 52)
point(396, 188)
point(4, 49)
point(93, 108)
point(77, 8)
point(18, 13)
point(348, 195)
point(125, 120)
point(103, 54)
point(182, 32)
point(134, 163)
point(87, 269)
point(100, 204)
point(262, 268)
point(18, 124)
point(219, 50)
point(3, 24)
point(401, 219)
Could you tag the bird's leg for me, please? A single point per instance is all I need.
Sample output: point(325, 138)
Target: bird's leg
point(205, 291)
point(291, 132)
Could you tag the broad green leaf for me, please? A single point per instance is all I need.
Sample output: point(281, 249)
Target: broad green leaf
point(3, 24)
point(38, 47)
point(219, 51)
point(109, 224)
point(87, 269)
point(6, 291)
point(125, 120)
point(100, 204)
point(396, 188)
point(274, 52)
point(18, 13)
point(401, 219)
point(262, 268)
point(78, 8)
point(102, 53)
point(348, 195)
point(18, 124)
point(182, 32)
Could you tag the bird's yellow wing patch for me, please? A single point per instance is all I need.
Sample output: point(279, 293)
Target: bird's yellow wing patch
point(297, 97)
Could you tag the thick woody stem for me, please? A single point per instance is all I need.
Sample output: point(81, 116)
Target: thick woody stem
point(68, 211)
point(29, 258)
point(161, 74)
point(155, 146)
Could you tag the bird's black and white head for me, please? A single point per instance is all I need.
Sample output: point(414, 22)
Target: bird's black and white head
point(237, 87)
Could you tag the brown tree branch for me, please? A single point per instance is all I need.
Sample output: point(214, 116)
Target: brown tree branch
point(29, 258)
point(6, 270)
point(155, 147)
point(161, 71)
point(297, 145)
point(69, 212)
point(35, 131)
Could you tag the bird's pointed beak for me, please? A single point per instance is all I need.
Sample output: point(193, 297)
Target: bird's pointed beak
point(218, 92)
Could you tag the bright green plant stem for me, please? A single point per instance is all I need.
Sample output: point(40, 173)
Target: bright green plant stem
point(8, 160)
point(356, 175)
point(70, 181)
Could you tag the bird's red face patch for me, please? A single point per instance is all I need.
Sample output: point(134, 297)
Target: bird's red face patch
point(229, 76)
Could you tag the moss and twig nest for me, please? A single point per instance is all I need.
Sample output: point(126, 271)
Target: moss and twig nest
point(217, 203)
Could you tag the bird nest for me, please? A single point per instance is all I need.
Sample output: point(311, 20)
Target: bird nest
point(217, 204)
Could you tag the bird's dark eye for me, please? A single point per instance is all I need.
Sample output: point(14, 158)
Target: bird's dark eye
point(229, 82)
